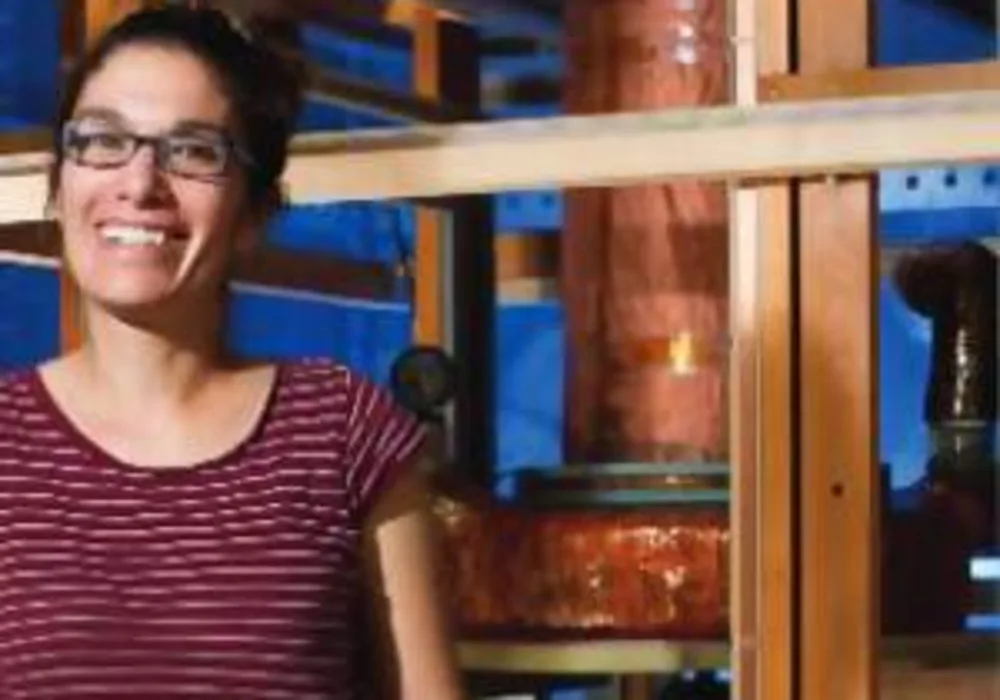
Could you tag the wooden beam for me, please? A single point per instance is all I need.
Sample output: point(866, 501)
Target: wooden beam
point(777, 580)
point(756, 648)
point(346, 91)
point(527, 256)
point(751, 144)
point(97, 17)
point(23, 194)
point(333, 15)
point(429, 278)
point(266, 267)
point(522, 16)
point(871, 82)
point(773, 141)
point(31, 145)
point(785, 87)
point(591, 657)
point(455, 253)
point(839, 523)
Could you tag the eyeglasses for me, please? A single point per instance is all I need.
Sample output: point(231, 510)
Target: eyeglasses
point(199, 154)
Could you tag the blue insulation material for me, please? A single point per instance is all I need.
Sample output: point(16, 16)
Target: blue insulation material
point(913, 32)
point(29, 315)
point(904, 361)
point(529, 387)
point(374, 232)
point(29, 59)
point(366, 337)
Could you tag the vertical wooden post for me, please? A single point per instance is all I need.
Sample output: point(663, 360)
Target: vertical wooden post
point(83, 22)
point(455, 301)
point(838, 380)
point(743, 385)
point(102, 14)
point(429, 281)
point(75, 22)
point(777, 581)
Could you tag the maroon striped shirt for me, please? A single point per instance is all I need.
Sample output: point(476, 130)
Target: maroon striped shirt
point(235, 578)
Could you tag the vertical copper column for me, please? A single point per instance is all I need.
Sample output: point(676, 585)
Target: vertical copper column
point(645, 268)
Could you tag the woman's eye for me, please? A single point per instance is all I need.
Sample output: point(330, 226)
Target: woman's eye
point(106, 141)
point(195, 150)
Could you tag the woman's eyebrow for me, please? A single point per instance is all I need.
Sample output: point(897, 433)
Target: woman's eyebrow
point(189, 125)
point(102, 113)
point(184, 125)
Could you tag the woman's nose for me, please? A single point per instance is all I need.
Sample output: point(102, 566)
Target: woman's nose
point(142, 177)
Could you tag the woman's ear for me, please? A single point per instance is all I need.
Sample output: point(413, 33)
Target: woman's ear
point(53, 199)
point(247, 236)
point(250, 232)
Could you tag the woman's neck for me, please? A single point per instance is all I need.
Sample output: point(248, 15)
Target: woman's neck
point(139, 363)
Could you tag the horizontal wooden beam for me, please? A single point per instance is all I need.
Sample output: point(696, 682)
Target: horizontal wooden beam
point(29, 142)
point(891, 81)
point(731, 143)
point(728, 143)
point(514, 16)
point(333, 15)
point(23, 188)
point(39, 242)
point(529, 255)
point(526, 265)
point(346, 91)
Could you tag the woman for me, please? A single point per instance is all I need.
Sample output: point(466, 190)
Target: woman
point(174, 523)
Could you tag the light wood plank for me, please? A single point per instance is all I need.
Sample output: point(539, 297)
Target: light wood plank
point(747, 638)
point(527, 256)
point(591, 657)
point(724, 142)
point(98, 16)
point(101, 14)
point(347, 91)
point(278, 268)
point(429, 279)
point(745, 144)
point(334, 15)
point(838, 381)
point(894, 80)
point(777, 592)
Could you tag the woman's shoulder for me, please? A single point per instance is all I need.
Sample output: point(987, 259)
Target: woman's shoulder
point(324, 385)
point(20, 399)
point(327, 374)
point(16, 382)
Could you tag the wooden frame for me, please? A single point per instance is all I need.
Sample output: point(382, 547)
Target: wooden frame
point(837, 386)
point(773, 596)
point(839, 123)
point(38, 244)
point(733, 143)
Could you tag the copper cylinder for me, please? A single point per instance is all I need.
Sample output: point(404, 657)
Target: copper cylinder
point(645, 268)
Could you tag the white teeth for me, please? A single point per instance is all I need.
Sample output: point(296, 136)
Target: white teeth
point(134, 235)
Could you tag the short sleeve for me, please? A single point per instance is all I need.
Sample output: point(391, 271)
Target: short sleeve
point(382, 439)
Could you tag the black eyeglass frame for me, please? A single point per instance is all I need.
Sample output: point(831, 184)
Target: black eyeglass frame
point(73, 130)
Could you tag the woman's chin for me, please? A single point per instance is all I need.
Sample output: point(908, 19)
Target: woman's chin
point(131, 299)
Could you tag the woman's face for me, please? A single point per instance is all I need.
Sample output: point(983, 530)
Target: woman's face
point(136, 234)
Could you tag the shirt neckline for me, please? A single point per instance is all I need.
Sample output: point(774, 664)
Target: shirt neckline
point(92, 447)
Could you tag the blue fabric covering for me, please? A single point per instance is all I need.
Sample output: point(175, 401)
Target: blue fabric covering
point(368, 337)
point(29, 315)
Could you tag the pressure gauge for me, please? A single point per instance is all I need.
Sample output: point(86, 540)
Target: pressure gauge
point(423, 380)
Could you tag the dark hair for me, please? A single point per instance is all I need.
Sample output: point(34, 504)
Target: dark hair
point(254, 61)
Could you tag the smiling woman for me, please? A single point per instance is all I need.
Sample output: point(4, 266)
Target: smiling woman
point(173, 522)
point(147, 228)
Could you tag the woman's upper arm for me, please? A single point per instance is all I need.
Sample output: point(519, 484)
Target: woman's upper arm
point(415, 649)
